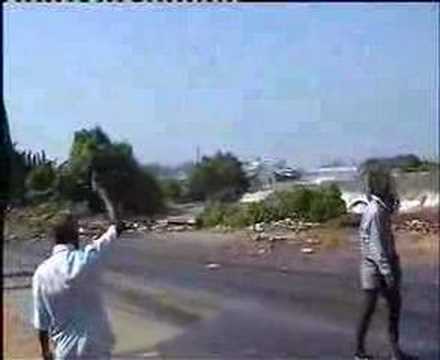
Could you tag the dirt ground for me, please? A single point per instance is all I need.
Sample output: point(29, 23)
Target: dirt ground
point(19, 340)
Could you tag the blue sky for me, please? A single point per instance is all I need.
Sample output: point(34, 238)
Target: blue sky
point(307, 83)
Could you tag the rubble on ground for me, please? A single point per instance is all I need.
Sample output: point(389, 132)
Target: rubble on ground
point(174, 224)
point(313, 241)
point(264, 244)
point(96, 227)
point(287, 230)
point(285, 224)
point(419, 226)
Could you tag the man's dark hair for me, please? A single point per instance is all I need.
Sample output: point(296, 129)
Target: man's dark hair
point(64, 229)
point(379, 181)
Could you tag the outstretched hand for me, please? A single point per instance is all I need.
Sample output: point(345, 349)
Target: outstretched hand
point(120, 227)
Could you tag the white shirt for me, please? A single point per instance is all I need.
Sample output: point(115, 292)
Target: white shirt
point(67, 301)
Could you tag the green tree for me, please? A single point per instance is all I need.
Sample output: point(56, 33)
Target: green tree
point(85, 145)
point(220, 177)
point(41, 178)
point(134, 189)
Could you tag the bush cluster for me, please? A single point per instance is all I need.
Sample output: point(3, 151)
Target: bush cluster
point(317, 205)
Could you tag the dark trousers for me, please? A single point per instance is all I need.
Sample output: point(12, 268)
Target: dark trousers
point(393, 301)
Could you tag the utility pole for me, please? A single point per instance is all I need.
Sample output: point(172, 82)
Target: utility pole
point(198, 154)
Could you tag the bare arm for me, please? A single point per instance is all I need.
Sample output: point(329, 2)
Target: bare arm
point(43, 336)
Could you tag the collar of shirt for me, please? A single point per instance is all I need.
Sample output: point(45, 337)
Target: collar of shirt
point(62, 247)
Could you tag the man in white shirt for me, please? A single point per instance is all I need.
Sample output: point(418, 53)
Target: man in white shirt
point(68, 309)
point(380, 270)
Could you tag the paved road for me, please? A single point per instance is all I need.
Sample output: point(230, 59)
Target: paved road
point(164, 301)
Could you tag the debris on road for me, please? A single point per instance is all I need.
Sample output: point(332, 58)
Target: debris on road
point(262, 251)
point(151, 354)
point(276, 238)
point(213, 266)
point(288, 224)
point(260, 237)
point(307, 250)
point(284, 269)
point(312, 241)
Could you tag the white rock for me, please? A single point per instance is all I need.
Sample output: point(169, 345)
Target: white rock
point(191, 221)
point(150, 354)
point(259, 227)
point(277, 238)
point(213, 266)
point(312, 241)
point(307, 250)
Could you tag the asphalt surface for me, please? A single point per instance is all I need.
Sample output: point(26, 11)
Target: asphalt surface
point(164, 302)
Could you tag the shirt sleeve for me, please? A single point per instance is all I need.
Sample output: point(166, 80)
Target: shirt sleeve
point(41, 318)
point(378, 246)
point(95, 250)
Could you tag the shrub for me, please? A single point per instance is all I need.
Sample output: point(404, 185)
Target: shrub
point(316, 205)
point(212, 215)
point(171, 189)
point(218, 178)
point(41, 178)
point(326, 204)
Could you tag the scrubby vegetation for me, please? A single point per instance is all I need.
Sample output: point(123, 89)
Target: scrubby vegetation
point(218, 178)
point(36, 179)
point(318, 205)
point(172, 190)
point(41, 178)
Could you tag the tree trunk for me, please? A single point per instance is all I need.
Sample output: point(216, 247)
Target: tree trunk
point(5, 168)
point(2, 222)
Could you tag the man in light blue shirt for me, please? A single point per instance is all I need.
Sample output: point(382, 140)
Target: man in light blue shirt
point(68, 308)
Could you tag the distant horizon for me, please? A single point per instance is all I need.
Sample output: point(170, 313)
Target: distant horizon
point(330, 163)
point(307, 83)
